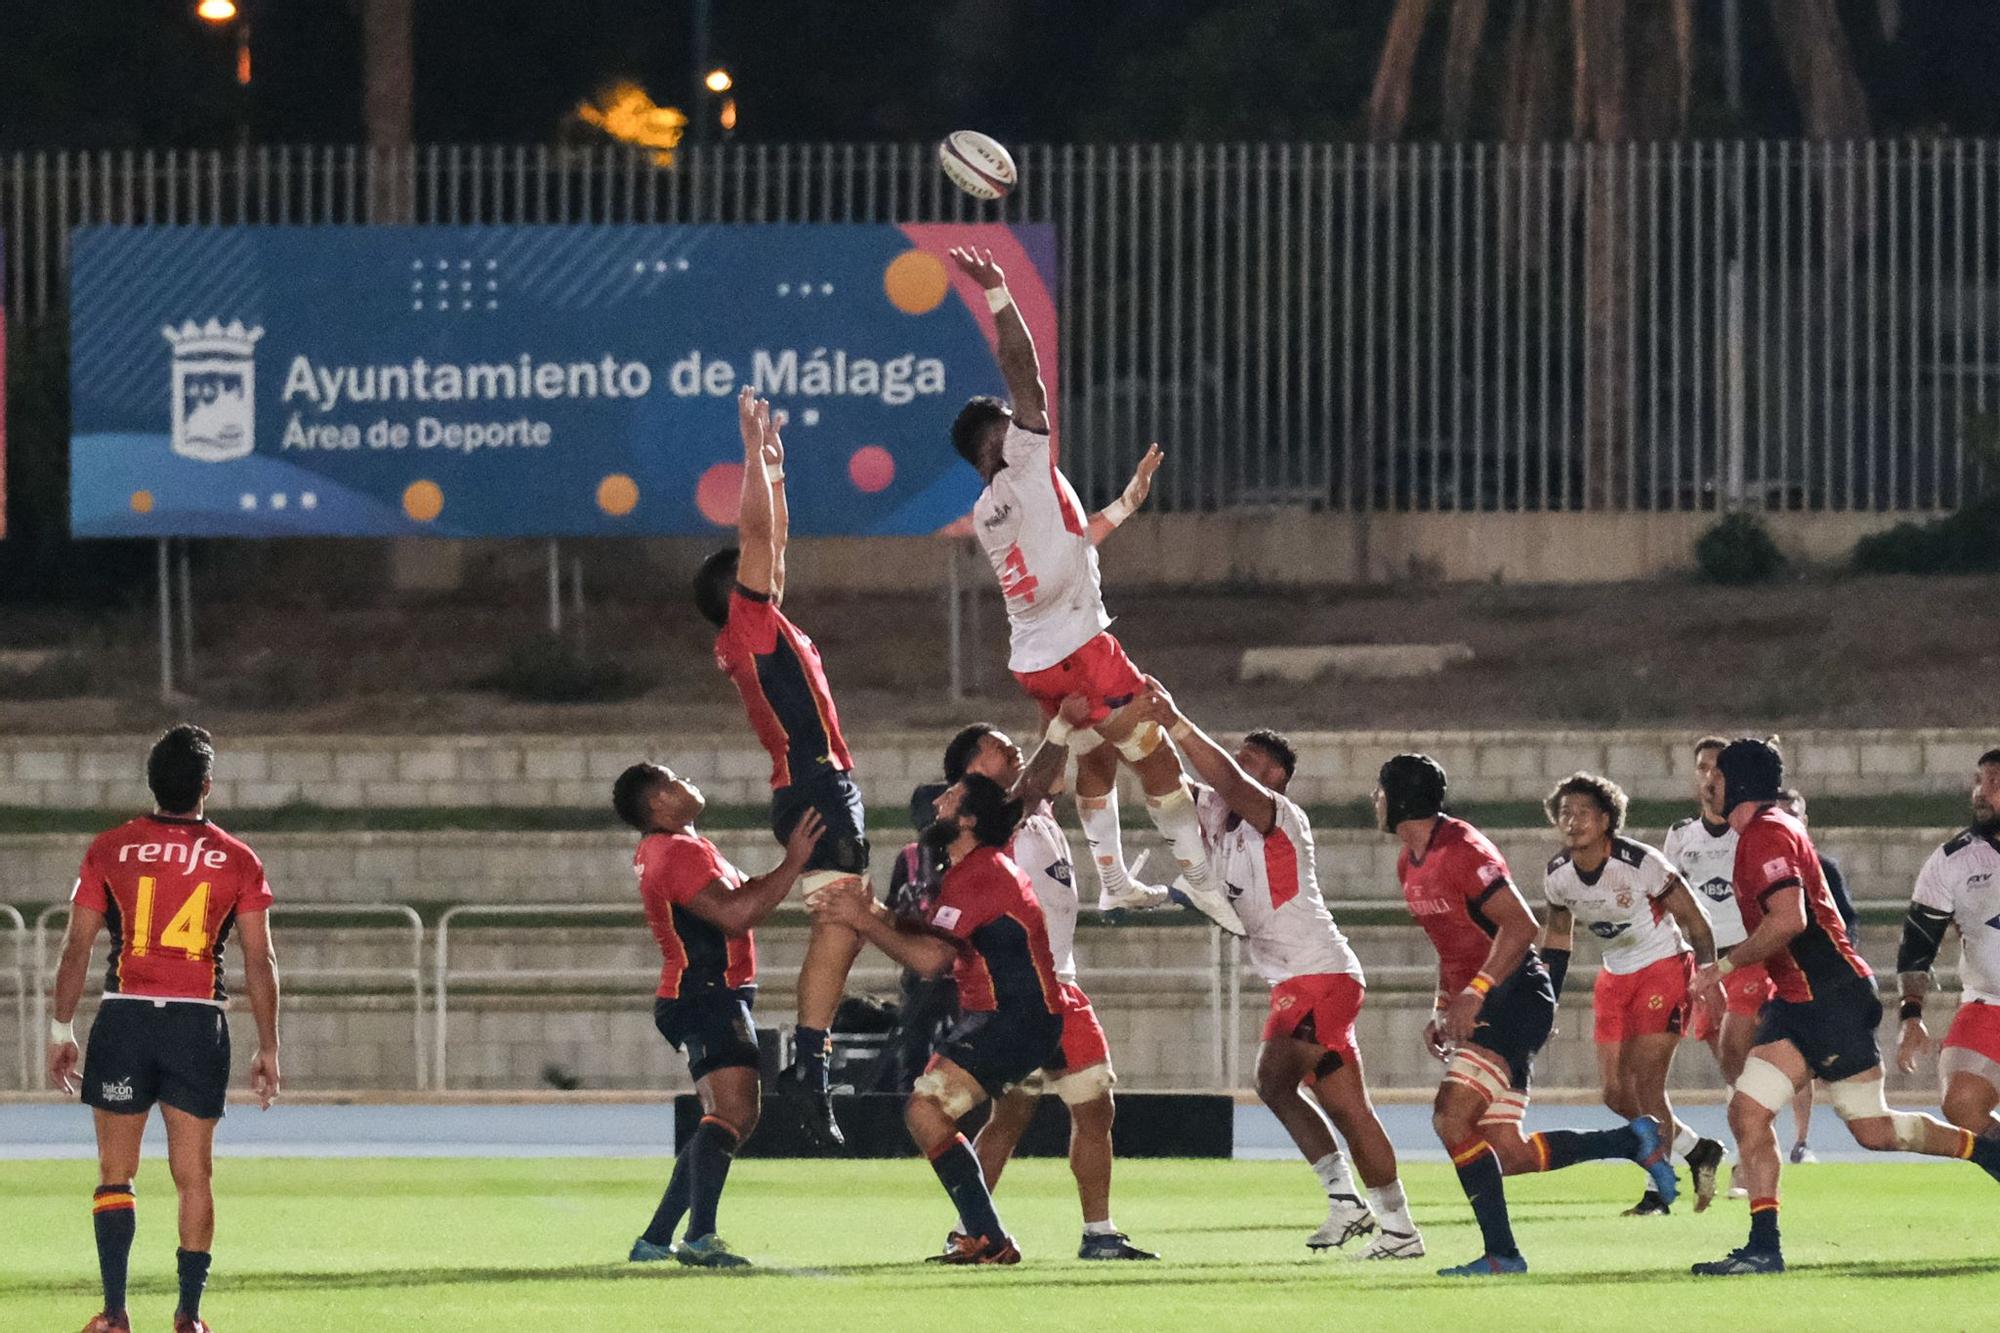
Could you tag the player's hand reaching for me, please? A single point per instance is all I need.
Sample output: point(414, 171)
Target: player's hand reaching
point(264, 1077)
point(1075, 711)
point(979, 266)
point(63, 1057)
point(773, 445)
point(805, 836)
point(1156, 705)
point(1915, 1041)
point(752, 415)
point(1707, 990)
point(1434, 1041)
point(1141, 485)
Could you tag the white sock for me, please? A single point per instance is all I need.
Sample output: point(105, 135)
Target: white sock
point(1174, 816)
point(1684, 1139)
point(1332, 1172)
point(1105, 1228)
point(1101, 830)
point(1392, 1209)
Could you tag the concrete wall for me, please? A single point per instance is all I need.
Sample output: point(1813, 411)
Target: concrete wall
point(107, 772)
point(1159, 1021)
point(1354, 864)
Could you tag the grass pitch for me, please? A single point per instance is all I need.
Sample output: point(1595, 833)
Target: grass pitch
point(404, 1244)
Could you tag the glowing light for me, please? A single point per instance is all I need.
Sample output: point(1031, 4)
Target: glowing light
point(718, 81)
point(626, 113)
point(216, 11)
point(728, 113)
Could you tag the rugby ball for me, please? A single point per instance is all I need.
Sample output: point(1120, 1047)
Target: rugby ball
point(977, 165)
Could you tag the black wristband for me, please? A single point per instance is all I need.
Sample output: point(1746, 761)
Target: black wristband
point(1911, 1008)
point(1558, 965)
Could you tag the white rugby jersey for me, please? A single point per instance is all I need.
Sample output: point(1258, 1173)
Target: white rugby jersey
point(1620, 904)
point(1963, 878)
point(1273, 883)
point(1707, 861)
point(1037, 536)
point(1041, 848)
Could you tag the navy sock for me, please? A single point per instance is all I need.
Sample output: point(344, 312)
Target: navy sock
point(1558, 1148)
point(1984, 1153)
point(112, 1217)
point(811, 1046)
point(1763, 1226)
point(709, 1154)
point(958, 1171)
point(673, 1205)
point(193, 1268)
point(1479, 1176)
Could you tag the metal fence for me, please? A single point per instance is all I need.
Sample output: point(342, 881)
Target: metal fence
point(1677, 326)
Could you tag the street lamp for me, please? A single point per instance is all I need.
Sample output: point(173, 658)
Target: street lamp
point(216, 11)
point(716, 81)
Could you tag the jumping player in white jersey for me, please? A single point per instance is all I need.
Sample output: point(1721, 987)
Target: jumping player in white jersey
point(1628, 896)
point(1960, 886)
point(1044, 551)
point(1260, 845)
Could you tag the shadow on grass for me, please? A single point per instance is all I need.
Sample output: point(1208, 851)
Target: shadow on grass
point(1166, 1274)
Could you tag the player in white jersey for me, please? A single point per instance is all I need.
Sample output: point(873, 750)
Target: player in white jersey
point(1960, 886)
point(1260, 845)
point(1043, 549)
point(1653, 934)
point(1041, 848)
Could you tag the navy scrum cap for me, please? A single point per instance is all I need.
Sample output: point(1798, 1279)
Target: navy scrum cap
point(1752, 770)
point(1413, 786)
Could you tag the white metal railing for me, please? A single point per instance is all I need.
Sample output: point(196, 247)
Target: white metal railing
point(44, 970)
point(17, 980)
point(1466, 326)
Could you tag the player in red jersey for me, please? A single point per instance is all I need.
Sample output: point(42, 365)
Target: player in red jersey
point(170, 887)
point(702, 911)
point(1495, 1009)
point(777, 671)
point(1043, 550)
point(988, 930)
point(1821, 1023)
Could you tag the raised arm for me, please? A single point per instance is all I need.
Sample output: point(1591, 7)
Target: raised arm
point(914, 945)
point(1106, 520)
point(755, 522)
point(1044, 769)
point(740, 910)
point(781, 514)
point(260, 979)
point(1248, 798)
point(1016, 351)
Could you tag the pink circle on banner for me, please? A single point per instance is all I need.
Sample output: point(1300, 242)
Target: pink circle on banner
point(719, 494)
point(871, 469)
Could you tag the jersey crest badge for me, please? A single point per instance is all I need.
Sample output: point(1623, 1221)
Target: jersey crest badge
point(946, 918)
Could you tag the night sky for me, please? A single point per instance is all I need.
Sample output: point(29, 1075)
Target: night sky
point(93, 73)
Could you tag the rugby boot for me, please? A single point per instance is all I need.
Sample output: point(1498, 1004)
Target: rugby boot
point(815, 1107)
point(1704, 1161)
point(971, 1250)
point(1211, 903)
point(1346, 1218)
point(709, 1251)
point(106, 1322)
point(1742, 1263)
point(1395, 1245)
point(645, 1252)
point(187, 1323)
point(1650, 1205)
point(1488, 1265)
point(1111, 1245)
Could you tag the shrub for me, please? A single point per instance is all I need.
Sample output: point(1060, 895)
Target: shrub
point(1739, 549)
point(547, 670)
point(1966, 542)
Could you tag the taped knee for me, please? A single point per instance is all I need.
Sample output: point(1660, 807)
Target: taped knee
point(1144, 739)
point(1481, 1075)
point(1911, 1130)
point(1765, 1084)
point(815, 882)
point(1510, 1108)
point(956, 1100)
point(1852, 1100)
point(1082, 1086)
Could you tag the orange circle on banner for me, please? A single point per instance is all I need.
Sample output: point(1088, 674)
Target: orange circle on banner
point(719, 494)
point(142, 502)
point(915, 282)
point(617, 495)
point(423, 501)
point(871, 469)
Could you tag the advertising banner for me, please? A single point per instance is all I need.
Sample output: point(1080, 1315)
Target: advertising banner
point(527, 381)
